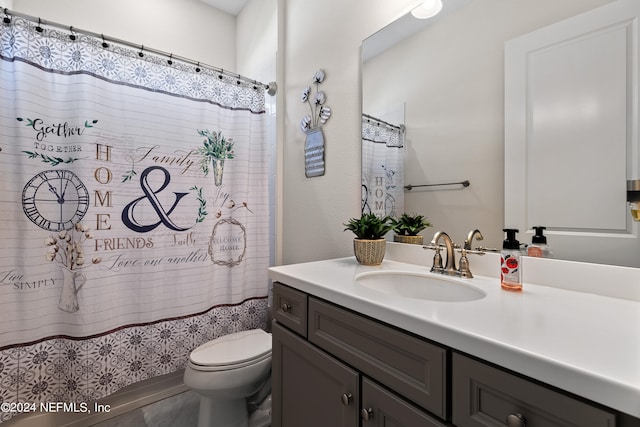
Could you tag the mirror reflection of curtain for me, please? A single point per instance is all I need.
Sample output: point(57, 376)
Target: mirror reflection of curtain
point(382, 167)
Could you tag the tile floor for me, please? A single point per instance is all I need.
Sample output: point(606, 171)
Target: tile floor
point(180, 410)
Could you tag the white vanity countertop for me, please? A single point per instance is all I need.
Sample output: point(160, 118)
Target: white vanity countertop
point(580, 342)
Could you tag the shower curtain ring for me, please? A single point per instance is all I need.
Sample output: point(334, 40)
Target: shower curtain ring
point(6, 19)
point(39, 28)
point(104, 43)
point(170, 60)
point(198, 68)
point(272, 88)
point(72, 36)
point(141, 53)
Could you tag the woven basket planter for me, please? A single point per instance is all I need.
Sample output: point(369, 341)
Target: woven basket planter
point(369, 252)
point(414, 240)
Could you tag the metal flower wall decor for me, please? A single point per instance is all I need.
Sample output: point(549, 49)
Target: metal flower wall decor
point(311, 125)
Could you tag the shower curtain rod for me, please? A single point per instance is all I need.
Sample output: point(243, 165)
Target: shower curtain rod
point(271, 88)
point(382, 122)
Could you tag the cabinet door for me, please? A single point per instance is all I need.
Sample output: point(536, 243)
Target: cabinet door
point(381, 408)
point(309, 387)
point(484, 396)
point(407, 364)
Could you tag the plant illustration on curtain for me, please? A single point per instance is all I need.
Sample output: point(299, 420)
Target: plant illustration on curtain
point(114, 231)
point(215, 149)
point(66, 248)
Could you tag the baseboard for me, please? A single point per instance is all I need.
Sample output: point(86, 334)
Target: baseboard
point(128, 399)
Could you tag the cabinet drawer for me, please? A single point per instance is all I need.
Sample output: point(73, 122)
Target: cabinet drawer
point(290, 308)
point(381, 408)
point(485, 396)
point(408, 365)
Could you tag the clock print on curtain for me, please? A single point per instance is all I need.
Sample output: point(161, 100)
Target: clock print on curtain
point(55, 200)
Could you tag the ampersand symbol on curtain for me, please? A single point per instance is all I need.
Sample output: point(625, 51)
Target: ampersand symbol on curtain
point(128, 217)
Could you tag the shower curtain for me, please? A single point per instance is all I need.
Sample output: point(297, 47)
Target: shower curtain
point(382, 167)
point(133, 214)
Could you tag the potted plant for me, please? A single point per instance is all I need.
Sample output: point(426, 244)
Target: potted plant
point(369, 244)
point(215, 150)
point(407, 227)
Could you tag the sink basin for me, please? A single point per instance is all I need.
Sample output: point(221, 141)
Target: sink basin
point(423, 286)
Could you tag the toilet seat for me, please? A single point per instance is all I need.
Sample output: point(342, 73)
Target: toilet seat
point(232, 351)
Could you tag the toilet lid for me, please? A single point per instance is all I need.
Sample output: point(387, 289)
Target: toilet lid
point(233, 349)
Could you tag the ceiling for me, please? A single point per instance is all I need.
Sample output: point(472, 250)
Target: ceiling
point(402, 28)
point(232, 7)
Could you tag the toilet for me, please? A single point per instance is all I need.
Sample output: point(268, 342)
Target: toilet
point(226, 371)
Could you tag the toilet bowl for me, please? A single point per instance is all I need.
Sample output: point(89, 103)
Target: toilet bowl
point(224, 372)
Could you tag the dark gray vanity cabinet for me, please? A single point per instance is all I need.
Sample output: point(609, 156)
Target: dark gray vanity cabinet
point(485, 396)
point(382, 408)
point(333, 367)
point(290, 308)
point(410, 366)
point(335, 377)
point(309, 387)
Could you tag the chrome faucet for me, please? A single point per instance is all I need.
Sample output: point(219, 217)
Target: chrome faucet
point(450, 265)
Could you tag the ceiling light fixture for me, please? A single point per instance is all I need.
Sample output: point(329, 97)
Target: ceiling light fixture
point(427, 9)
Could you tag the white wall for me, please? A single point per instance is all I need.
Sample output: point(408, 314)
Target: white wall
point(327, 35)
point(462, 136)
point(186, 28)
point(257, 40)
point(256, 57)
point(450, 77)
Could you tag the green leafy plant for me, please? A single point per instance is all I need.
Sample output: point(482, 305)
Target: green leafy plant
point(202, 208)
point(369, 226)
point(216, 146)
point(409, 225)
point(128, 176)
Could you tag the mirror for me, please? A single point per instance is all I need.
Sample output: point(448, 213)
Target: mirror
point(443, 80)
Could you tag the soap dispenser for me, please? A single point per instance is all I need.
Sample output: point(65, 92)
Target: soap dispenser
point(539, 247)
point(510, 274)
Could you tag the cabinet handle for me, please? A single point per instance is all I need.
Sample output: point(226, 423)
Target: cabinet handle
point(346, 398)
point(366, 414)
point(286, 307)
point(516, 420)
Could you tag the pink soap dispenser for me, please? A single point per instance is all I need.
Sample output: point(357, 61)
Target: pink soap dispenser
point(510, 272)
